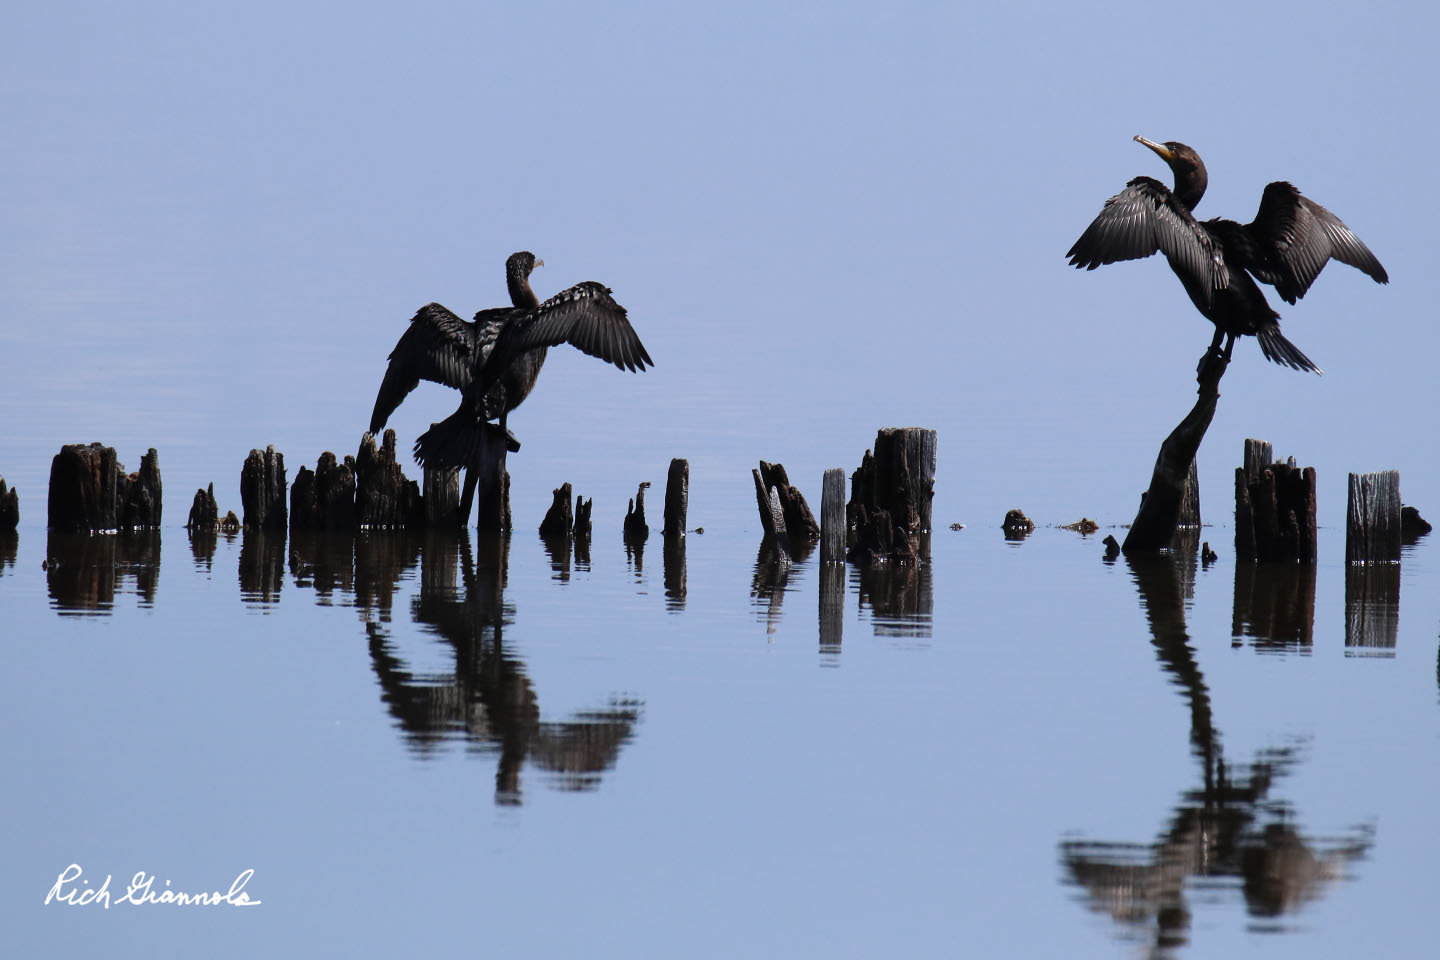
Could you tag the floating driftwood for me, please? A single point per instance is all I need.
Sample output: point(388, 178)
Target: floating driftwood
point(1412, 525)
point(1017, 526)
point(1274, 508)
point(677, 497)
point(263, 489)
point(89, 490)
point(1084, 525)
point(324, 499)
point(383, 496)
point(9, 507)
point(1372, 518)
point(204, 511)
point(890, 496)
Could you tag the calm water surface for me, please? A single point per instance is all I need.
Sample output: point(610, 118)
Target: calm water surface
point(711, 749)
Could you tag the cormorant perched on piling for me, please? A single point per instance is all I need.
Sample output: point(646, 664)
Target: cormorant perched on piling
point(1286, 245)
point(506, 366)
point(440, 347)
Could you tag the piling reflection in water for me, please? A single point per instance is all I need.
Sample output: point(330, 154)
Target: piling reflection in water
point(9, 547)
point(1274, 606)
point(1372, 609)
point(1228, 834)
point(899, 594)
point(770, 582)
point(324, 561)
point(487, 700)
point(675, 574)
point(262, 567)
point(83, 571)
point(832, 607)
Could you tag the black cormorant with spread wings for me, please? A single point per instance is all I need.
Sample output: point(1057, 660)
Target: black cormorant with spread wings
point(440, 347)
point(504, 369)
point(1286, 245)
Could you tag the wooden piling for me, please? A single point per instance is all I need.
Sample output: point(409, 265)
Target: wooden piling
point(204, 511)
point(1190, 498)
point(832, 517)
point(890, 496)
point(636, 529)
point(440, 498)
point(677, 497)
point(492, 481)
point(263, 489)
point(89, 490)
point(559, 520)
point(324, 499)
point(383, 495)
point(772, 517)
point(1372, 518)
point(9, 507)
point(1274, 508)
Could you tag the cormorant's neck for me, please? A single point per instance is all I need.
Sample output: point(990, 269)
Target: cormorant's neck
point(520, 293)
point(1190, 184)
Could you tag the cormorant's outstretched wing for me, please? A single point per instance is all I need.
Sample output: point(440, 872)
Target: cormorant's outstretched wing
point(437, 346)
point(1144, 218)
point(585, 316)
point(1297, 237)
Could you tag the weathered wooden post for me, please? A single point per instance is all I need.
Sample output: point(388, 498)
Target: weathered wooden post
point(583, 509)
point(1190, 498)
point(559, 520)
point(891, 494)
point(89, 490)
point(1161, 506)
point(491, 481)
point(636, 529)
point(9, 507)
point(441, 497)
point(383, 495)
point(832, 517)
point(1274, 508)
point(262, 490)
point(204, 511)
point(772, 517)
point(324, 499)
point(677, 497)
point(1372, 518)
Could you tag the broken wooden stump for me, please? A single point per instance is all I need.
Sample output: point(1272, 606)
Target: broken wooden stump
point(559, 520)
point(263, 490)
point(487, 480)
point(440, 498)
point(636, 529)
point(833, 533)
point(890, 496)
point(204, 511)
point(677, 497)
point(772, 516)
point(1274, 508)
point(1161, 505)
point(9, 507)
point(583, 509)
point(89, 490)
point(1017, 526)
point(383, 495)
point(1372, 518)
point(324, 499)
point(1412, 525)
point(800, 525)
point(1190, 498)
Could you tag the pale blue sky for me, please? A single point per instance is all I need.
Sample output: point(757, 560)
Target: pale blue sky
point(824, 219)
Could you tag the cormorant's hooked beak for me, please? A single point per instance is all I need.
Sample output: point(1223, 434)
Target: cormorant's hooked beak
point(1165, 152)
point(538, 263)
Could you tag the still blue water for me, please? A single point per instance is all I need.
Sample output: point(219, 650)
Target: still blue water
point(1013, 750)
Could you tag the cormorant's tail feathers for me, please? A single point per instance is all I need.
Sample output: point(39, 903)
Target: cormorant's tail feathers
point(452, 442)
point(1279, 350)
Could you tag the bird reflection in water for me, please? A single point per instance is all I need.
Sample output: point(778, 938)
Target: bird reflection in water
point(83, 571)
point(487, 700)
point(1227, 833)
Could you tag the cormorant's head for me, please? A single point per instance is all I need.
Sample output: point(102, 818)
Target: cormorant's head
point(1190, 177)
point(520, 264)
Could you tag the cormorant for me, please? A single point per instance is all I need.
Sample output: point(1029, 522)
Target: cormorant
point(1286, 245)
point(507, 364)
point(440, 347)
